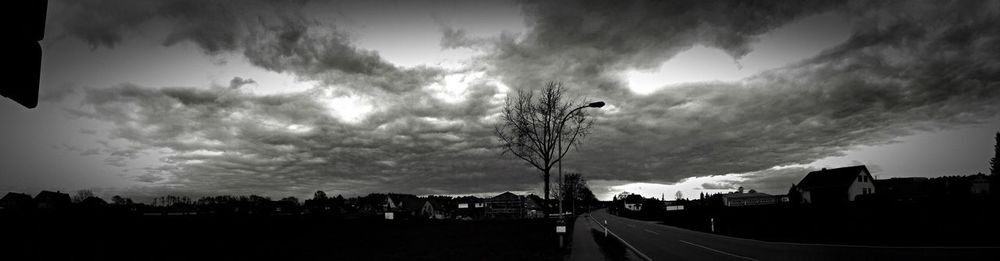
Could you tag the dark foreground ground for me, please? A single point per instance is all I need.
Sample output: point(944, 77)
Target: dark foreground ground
point(273, 238)
point(956, 223)
point(661, 242)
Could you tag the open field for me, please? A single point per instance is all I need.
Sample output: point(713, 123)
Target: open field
point(276, 238)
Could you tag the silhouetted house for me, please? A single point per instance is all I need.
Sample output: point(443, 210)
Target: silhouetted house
point(674, 205)
point(903, 189)
point(633, 203)
point(836, 186)
point(92, 205)
point(52, 200)
point(93, 202)
point(312, 206)
point(16, 202)
point(420, 208)
point(394, 202)
point(391, 204)
point(751, 199)
point(469, 207)
point(533, 207)
point(505, 205)
point(980, 184)
point(285, 207)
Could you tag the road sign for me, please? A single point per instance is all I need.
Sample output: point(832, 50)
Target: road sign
point(560, 229)
point(388, 216)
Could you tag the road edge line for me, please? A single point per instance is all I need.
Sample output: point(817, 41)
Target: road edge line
point(643, 256)
point(717, 251)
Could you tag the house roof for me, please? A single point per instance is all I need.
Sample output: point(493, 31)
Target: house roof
point(93, 201)
point(467, 200)
point(16, 197)
point(532, 202)
point(504, 196)
point(396, 198)
point(46, 195)
point(831, 178)
point(413, 204)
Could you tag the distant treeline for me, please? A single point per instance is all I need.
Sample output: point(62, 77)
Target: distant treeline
point(85, 202)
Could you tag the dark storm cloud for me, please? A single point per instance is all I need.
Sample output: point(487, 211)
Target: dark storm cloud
point(287, 47)
point(773, 181)
point(229, 141)
point(582, 42)
point(274, 35)
point(908, 66)
point(100, 23)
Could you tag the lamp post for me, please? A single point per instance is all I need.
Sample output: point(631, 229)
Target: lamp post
point(597, 104)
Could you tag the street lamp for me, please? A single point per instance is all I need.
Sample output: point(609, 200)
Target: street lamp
point(562, 197)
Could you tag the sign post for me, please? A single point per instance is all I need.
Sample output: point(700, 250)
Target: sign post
point(713, 224)
point(561, 230)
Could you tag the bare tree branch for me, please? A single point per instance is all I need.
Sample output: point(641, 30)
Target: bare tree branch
point(532, 127)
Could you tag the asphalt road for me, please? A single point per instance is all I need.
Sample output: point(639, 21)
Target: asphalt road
point(661, 242)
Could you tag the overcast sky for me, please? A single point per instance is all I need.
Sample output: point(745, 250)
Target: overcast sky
point(283, 98)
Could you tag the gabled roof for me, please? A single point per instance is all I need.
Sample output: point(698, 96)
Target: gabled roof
point(832, 178)
point(46, 195)
point(399, 197)
point(505, 195)
point(93, 201)
point(467, 200)
point(414, 204)
point(16, 197)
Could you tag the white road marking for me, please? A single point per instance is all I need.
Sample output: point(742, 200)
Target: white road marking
point(650, 231)
point(717, 251)
point(630, 225)
point(636, 250)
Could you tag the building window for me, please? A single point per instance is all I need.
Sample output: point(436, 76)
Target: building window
point(859, 178)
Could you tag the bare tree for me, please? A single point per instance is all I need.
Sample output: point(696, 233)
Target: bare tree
point(541, 130)
point(82, 194)
point(121, 201)
point(574, 189)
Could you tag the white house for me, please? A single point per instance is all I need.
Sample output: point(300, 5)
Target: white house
point(833, 186)
point(633, 206)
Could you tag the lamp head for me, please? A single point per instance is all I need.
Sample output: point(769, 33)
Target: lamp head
point(596, 104)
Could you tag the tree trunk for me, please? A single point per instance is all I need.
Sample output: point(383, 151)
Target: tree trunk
point(545, 205)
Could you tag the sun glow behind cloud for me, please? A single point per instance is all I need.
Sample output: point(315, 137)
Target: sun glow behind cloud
point(783, 46)
point(348, 108)
point(697, 64)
